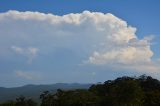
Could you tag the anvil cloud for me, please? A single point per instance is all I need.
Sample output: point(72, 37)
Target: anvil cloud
point(101, 39)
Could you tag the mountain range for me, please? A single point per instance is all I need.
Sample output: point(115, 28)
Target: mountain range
point(34, 91)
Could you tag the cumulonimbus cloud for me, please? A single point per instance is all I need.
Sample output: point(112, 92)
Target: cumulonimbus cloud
point(104, 38)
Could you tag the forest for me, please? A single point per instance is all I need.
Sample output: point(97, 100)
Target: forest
point(123, 91)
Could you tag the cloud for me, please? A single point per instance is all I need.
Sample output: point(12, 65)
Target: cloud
point(127, 55)
point(100, 38)
point(30, 52)
point(26, 75)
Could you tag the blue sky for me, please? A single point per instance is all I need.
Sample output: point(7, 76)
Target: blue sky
point(86, 45)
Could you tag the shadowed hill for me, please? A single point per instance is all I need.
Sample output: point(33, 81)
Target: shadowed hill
point(33, 91)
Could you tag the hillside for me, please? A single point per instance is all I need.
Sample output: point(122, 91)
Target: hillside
point(34, 91)
point(123, 91)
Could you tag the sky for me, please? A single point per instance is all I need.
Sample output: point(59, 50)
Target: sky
point(77, 41)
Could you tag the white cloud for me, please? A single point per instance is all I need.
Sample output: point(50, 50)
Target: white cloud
point(127, 55)
point(26, 75)
point(30, 52)
point(104, 38)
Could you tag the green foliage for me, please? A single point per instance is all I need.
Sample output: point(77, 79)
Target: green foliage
point(129, 91)
point(126, 92)
point(20, 101)
point(152, 98)
point(123, 91)
point(8, 103)
point(151, 87)
point(35, 90)
point(77, 97)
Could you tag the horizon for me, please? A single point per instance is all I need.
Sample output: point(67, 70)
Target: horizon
point(47, 85)
point(48, 42)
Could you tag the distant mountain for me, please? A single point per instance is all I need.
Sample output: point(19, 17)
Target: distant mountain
point(33, 91)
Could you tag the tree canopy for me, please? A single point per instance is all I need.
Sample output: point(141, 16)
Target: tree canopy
point(123, 91)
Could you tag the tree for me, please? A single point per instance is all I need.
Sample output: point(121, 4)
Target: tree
point(8, 103)
point(151, 87)
point(21, 101)
point(126, 92)
point(50, 99)
point(152, 98)
point(30, 102)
